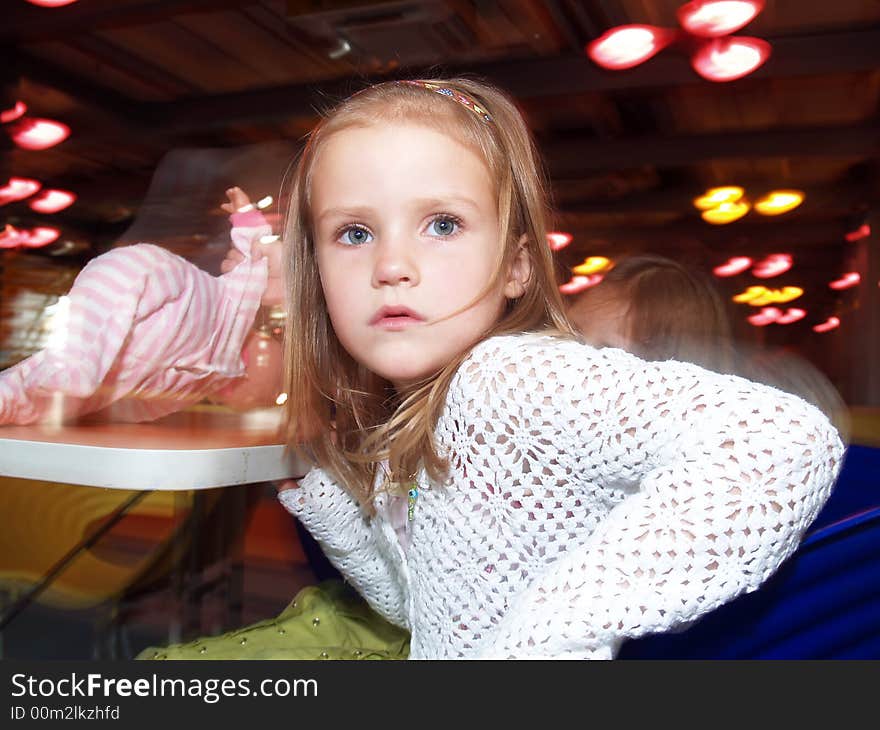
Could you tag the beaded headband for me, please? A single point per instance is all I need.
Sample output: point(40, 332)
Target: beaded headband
point(463, 99)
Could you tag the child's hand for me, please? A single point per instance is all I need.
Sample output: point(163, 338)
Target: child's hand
point(239, 202)
point(285, 485)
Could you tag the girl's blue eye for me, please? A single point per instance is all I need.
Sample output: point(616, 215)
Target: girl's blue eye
point(355, 236)
point(443, 226)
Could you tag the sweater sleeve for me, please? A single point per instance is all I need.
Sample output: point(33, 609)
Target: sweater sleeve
point(730, 474)
point(348, 537)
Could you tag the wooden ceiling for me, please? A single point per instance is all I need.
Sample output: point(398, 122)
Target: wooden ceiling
point(205, 87)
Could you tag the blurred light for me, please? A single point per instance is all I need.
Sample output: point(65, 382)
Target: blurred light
point(579, 283)
point(51, 201)
point(40, 236)
point(857, 234)
point(774, 265)
point(793, 314)
point(281, 399)
point(265, 202)
point(759, 296)
point(846, 281)
point(712, 18)
point(766, 316)
point(51, 3)
point(728, 59)
point(10, 237)
point(591, 265)
point(778, 202)
point(828, 324)
point(733, 266)
point(269, 239)
point(558, 240)
point(628, 45)
point(10, 115)
point(725, 213)
point(18, 188)
point(714, 197)
point(39, 134)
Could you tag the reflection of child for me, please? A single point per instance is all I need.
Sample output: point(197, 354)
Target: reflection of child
point(149, 333)
point(489, 483)
point(657, 309)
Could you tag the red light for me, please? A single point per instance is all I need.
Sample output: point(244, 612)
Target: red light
point(728, 59)
point(793, 314)
point(10, 115)
point(628, 45)
point(846, 281)
point(768, 315)
point(579, 283)
point(828, 324)
point(733, 266)
point(51, 201)
point(774, 265)
point(18, 188)
point(34, 238)
point(713, 18)
point(558, 240)
point(51, 3)
point(863, 231)
point(39, 134)
point(41, 236)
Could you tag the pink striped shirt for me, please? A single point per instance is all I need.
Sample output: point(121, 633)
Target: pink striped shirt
point(147, 332)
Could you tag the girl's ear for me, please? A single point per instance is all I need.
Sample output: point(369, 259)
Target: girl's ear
point(520, 271)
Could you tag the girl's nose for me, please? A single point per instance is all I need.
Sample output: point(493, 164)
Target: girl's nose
point(394, 264)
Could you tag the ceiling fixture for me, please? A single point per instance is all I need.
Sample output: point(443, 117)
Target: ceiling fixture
point(766, 316)
point(713, 18)
point(759, 296)
point(629, 45)
point(792, 314)
point(51, 3)
point(828, 325)
point(591, 265)
point(18, 188)
point(35, 238)
point(714, 197)
point(579, 283)
point(846, 281)
point(10, 115)
point(774, 265)
point(729, 59)
point(52, 201)
point(733, 266)
point(718, 55)
point(38, 134)
point(558, 240)
point(725, 212)
point(778, 202)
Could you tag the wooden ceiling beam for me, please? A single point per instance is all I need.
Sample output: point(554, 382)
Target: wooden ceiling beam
point(25, 23)
point(830, 53)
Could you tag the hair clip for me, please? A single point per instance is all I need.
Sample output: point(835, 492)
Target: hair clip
point(463, 99)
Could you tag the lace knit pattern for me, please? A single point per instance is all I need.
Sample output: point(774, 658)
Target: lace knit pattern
point(591, 497)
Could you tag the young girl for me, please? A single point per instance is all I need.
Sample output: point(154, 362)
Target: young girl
point(482, 478)
point(499, 490)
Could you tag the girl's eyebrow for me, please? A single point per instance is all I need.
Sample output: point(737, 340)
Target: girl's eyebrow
point(359, 211)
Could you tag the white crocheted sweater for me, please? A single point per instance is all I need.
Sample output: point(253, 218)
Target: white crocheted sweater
point(592, 497)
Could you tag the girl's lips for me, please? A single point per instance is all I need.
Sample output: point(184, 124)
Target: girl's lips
point(395, 317)
point(396, 323)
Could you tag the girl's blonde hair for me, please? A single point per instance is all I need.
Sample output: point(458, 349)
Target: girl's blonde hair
point(343, 416)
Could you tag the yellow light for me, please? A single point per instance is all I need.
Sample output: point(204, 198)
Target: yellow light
point(761, 296)
point(591, 265)
point(714, 197)
point(778, 202)
point(753, 292)
point(725, 213)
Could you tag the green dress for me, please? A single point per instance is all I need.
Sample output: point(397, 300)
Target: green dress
point(327, 621)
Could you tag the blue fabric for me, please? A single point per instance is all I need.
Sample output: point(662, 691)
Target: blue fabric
point(824, 603)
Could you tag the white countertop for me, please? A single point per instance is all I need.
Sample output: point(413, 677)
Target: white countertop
point(195, 449)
